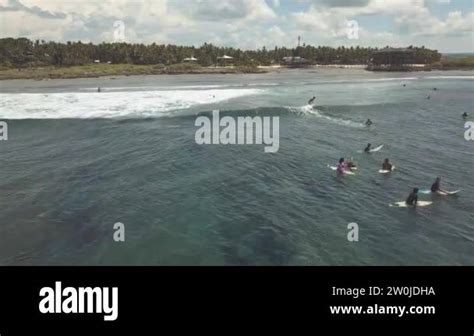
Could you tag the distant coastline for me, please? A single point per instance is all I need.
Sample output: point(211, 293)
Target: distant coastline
point(21, 58)
point(116, 70)
point(40, 60)
point(107, 70)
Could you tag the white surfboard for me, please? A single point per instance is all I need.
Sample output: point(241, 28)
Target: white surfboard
point(382, 171)
point(404, 205)
point(376, 149)
point(373, 150)
point(441, 193)
point(346, 172)
point(448, 193)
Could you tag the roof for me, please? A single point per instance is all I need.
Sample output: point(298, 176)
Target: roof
point(386, 50)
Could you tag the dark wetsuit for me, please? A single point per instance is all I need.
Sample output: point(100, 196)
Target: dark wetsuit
point(351, 165)
point(412, 199)
point(387, 166)
point(367, 149)
point(435, 187)
point(311, 101)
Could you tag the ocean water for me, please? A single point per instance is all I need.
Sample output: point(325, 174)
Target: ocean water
point(77, 162)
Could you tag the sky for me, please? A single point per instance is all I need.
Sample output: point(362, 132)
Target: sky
point(444, 25)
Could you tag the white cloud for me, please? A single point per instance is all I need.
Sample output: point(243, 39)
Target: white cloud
point(240, 23)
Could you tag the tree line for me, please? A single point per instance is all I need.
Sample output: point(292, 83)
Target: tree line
point(22, 52)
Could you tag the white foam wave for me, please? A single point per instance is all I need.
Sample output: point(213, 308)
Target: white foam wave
point(389, 79)
point(136, 104)
point(178, 87)
point(310, 110)
point(450, 77)
point(156, 88)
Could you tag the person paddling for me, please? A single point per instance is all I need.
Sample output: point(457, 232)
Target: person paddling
point(368, 148)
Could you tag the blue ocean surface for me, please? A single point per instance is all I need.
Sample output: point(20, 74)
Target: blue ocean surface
point(78, 161)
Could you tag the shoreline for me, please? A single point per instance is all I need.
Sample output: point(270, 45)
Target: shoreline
point(119, 70)
point(127, 70)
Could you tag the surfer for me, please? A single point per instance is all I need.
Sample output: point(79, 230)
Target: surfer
point(386, 165)
point(341, 167)
point(429, 97)
point(404, 85)
point(436, 187)
point(464, 115)
point(368, 148)
point(350, 164)
point(368, 122)
point(98, 89)
point(413, 197)
point(311, 101)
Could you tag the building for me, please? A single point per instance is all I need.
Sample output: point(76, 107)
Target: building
point(294, 62)
point(224, 60)
point(190, 59)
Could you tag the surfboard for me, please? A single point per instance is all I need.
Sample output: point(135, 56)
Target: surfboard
point(448, 193)
point(373, 150)
point(347, 172)
point(441, 193)
point(381, 171)
point(376, 149)
point(404, 205)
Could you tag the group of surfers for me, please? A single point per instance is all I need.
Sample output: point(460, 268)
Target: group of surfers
point(412, 198)
point(344, 166)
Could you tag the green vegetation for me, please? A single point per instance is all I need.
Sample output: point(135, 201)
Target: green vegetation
point(99, 70)
point(22, 58)
point(455, 63)
point(21, 53)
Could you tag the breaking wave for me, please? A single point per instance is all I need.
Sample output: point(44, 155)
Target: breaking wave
point(132, 104)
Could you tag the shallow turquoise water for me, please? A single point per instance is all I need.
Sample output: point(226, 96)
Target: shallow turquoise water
point(77, 162)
